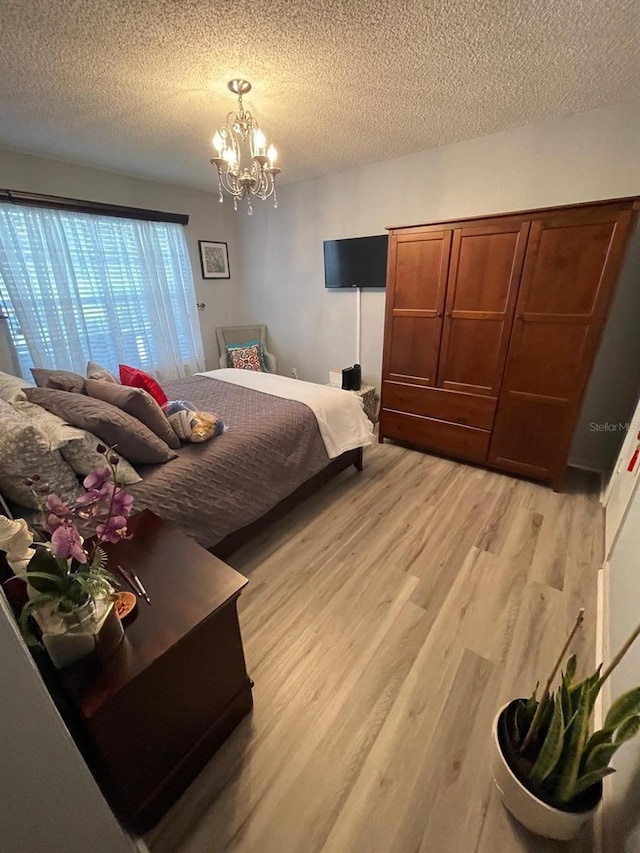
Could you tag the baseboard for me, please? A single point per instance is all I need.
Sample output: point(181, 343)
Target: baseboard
point(585, 466)
point(603, 700)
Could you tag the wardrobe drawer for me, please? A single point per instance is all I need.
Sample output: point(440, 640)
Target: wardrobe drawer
point(466, 409)
point(445, 437)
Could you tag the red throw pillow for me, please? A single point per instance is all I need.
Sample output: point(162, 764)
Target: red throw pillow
point(136, 378)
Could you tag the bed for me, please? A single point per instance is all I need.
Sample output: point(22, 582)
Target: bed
point(284, 439)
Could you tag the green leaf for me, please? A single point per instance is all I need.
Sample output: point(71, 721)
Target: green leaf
point(43, 569)
point(567, 705)
point(627, 730)
point(600, 757)
point(576, 739)
point(596, 739)
point(45, 582)
point(570, 674)
point(592, 682)
point(516, 734)
point(590, 779)
point(627, 705)
point(552, 746)
point(99, 560)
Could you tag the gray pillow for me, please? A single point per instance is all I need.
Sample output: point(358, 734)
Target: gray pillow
point(25, 451)
point(138, 403)
point(77, 446)
point(62, 380)
point(116, 428)
point(97, 371)
point(83, 457)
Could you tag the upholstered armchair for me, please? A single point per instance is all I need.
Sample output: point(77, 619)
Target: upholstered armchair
point(239, 335)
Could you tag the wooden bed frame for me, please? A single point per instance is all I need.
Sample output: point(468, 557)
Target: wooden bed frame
point(235, 540)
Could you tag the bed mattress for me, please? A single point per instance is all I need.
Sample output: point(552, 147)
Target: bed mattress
point(272, 446)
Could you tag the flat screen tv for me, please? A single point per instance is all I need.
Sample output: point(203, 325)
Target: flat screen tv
point(358, 262)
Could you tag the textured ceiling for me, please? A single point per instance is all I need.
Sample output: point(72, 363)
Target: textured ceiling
point(138, 86)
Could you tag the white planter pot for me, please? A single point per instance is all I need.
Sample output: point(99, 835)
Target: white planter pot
point(534, 814)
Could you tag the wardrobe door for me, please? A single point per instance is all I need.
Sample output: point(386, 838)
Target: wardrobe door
point(417, 277)
point(570, 269)
point(484, 274)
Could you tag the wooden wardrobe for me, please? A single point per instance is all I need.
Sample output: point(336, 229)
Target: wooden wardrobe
point(491, 330)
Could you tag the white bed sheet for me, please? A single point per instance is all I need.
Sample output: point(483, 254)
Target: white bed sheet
point(342, 422)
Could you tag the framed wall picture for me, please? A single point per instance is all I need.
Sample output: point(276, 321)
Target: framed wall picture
point(214, 259)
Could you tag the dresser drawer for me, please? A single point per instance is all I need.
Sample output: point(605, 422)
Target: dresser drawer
point(466, 409)
point(451, 439)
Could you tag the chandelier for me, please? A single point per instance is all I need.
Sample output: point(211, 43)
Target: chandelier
point(256, 174)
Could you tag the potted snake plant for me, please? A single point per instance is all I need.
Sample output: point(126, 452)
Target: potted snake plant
point(548, 765)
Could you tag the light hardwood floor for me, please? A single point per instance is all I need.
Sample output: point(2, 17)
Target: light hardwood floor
point(386, 621)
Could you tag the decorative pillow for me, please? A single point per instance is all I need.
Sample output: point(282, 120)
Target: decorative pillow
point(55, 429)
point(25, 451)
point(62, 380)
point(77, 446)
point(246, 358)
point(256, 342)
point(136, 378)
point(83, 456)
point(96, 371)
point(12, 387)
point(114, 427)
point(138, 403)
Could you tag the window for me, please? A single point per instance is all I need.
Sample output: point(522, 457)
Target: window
point(80, 286)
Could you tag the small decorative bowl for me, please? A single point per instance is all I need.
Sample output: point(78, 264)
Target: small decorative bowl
point(125, 603)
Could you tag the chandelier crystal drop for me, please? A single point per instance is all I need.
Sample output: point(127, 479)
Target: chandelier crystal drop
point(246, 166)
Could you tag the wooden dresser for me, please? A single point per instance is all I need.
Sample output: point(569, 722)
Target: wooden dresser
point(491, 330)
point(150, 718)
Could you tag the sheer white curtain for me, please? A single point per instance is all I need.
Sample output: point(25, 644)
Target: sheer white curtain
point(78, 286)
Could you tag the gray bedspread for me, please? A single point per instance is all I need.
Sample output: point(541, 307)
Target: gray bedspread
point(270, 448)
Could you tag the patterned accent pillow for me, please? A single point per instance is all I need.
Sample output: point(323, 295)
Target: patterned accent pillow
point(56, 431)
point(246, 358)
point(96, 371)
point(25, 451)
point(78, 447)
point(253, 343)
point(62, 380)
point(12, 387)
point(136, 378)
point(83, 457)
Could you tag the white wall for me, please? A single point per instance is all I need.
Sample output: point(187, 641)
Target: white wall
point(622, 812)
point(590, 155)
point(208, 220)
point(50, 801)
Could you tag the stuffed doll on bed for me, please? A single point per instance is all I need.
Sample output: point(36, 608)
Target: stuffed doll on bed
point(191, 425)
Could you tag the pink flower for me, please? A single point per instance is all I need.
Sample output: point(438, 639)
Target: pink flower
point(96, 479)
point(66, 542)
point(122, 503)
point(114, 530)
point(95, 496)
point(89, 498)
point(52, 523)
point(57, 505)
